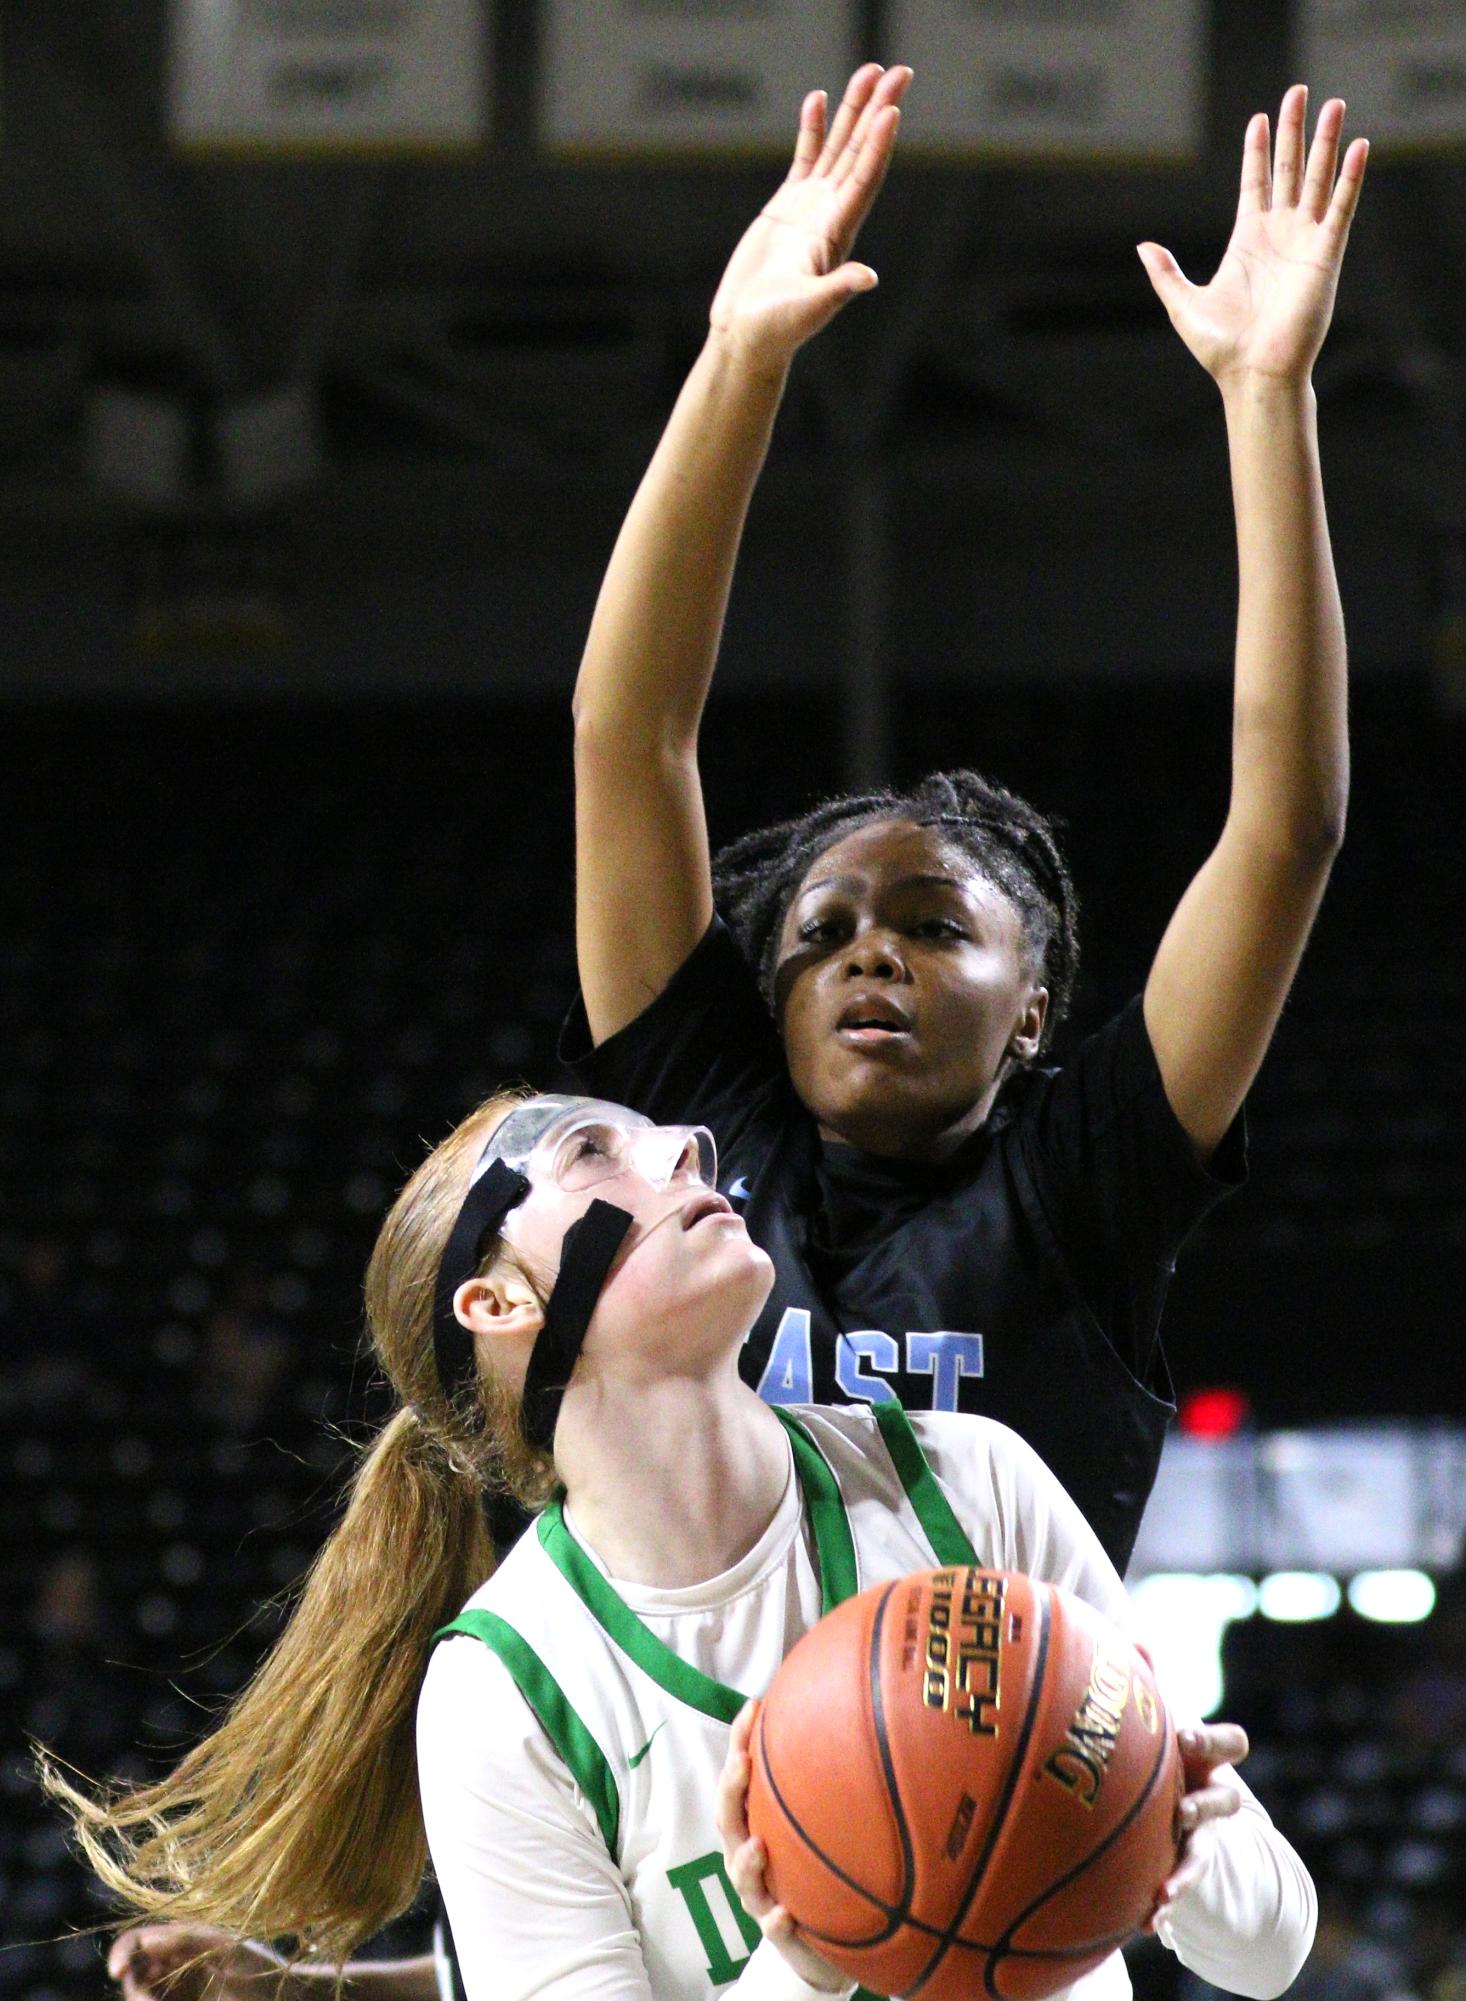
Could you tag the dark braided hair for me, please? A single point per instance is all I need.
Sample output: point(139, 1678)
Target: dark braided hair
point(1010, 843)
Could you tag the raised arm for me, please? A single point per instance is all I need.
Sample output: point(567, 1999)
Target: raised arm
point(643, 881)
point(1229, 954)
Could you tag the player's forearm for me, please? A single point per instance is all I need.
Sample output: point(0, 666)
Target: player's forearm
point(1290, 765)
point(654, 638)
point(363, 1980)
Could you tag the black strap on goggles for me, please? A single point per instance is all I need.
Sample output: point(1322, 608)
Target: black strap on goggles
point(586, 1257)
point(498, 1190)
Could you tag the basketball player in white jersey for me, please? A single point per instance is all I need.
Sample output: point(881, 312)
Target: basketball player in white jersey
point(559, 1297)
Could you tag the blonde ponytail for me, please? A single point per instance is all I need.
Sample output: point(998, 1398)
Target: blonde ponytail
point(298, 1817)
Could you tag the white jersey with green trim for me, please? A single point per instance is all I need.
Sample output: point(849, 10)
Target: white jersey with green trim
point(571, 1728)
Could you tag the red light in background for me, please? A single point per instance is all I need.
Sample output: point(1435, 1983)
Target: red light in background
point(1217, 1413)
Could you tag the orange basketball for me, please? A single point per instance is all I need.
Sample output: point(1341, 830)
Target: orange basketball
point(967, 1783)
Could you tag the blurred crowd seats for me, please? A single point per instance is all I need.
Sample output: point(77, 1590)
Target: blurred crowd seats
point(254, 961)
point(1359, 1749)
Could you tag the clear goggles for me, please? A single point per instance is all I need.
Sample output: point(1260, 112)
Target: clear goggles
point(577, 1142)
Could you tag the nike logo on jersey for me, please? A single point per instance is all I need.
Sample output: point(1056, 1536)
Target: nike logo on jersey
point(739, 1190)
point(636, 1757)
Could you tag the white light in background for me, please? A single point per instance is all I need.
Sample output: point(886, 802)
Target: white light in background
point(1293, 1596)
point(1182, 1617)
point(1393, 1597)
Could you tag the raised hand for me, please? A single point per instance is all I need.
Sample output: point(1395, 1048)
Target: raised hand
point(1268, 308)
point(791, 273)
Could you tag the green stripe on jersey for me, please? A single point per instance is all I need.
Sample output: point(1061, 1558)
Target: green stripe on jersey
point(834, 1547)
point(944, 1532)
point(834, 1544)
point(577, 1748)
point(687, 1683)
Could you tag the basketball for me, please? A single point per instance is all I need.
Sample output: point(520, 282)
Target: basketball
point(966, 1782)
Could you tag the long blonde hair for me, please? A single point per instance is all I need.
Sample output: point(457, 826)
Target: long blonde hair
point(298, 1817)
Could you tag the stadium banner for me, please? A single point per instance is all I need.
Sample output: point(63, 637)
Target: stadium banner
point(311, 76)
point(1401, 64)
point(688, 76)
point(1064, 79)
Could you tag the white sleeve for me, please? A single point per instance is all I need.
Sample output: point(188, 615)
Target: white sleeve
point(538, 1907)
point(536, 1904)
point(1247, 1925)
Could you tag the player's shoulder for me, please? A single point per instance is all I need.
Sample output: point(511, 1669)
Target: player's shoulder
point(868, 1421)
point(872, 1430)
point(513, 1596)
point(468, 1673)
point(969, 1432)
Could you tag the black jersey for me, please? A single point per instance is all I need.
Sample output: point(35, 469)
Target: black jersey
point(1022, 1278)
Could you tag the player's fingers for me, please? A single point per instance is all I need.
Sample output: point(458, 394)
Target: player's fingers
point(862, 184)
point(811, 135)
point(1208, 1803)
point(1165, 274)
point(839, 165)
point(1214, 1744)
point(1323, 160)
point(145, 1975)
point(843, 284)
point(148, 1951)
point(1188, 1870)
point(746, 1868)
point(1346, 192)
point(731, 1799)
point(1288, 158)
point(857, 96)
point(731, 1805)
point(821, 298)
point(778, 1927)
point(1257, 174)
point(887, 94)
point(123, 1947)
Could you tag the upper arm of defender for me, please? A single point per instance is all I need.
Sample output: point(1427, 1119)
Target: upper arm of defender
point(643, 875)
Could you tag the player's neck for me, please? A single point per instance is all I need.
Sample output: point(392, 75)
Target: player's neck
point(888, 1134)
point(670, 1484)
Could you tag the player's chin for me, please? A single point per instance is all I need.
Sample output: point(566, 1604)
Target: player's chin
point(898, 1129)
point(884, 1099)
point(754, 1266)
point(734, 1274)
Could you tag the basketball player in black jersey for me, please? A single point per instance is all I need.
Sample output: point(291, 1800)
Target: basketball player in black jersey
point(858, 1002)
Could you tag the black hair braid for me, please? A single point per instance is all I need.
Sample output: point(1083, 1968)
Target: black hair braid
point(1012, 845)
